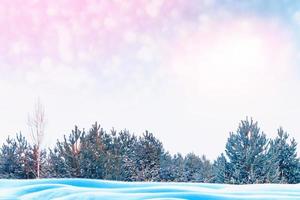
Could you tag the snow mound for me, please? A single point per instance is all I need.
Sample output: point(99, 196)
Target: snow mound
point(72, 189)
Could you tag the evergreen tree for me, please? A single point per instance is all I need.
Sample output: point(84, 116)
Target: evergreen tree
point(16, 158)
point(192, 164)
point(197, 169)
point(220, 170)
point(178, 168)
point(283, 155)
point(113, 158)
point(56, 164)
point(246, 153)
point(25, 167)
point(8, 159)
point(67, 155)
point(250, 158)
point(271, 167)
point(206, 172)
point(149, 152)
point(166, 168)
point(93, 153)
point(129, 158)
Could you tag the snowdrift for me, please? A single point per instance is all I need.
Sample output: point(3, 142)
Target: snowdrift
point(64, 189)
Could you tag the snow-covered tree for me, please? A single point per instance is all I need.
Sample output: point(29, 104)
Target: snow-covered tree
point(129, 158)
point(56, 165)
point(192, 167)
point(166, 172)
point(246, 151)
point(283, 156)
point(149, 150)
point(197, 169)
point(65, 158)
point(250, 158)
point(178, 167)
point(9, 159)
point(206, 171)
point(93, 155)
point(17, 158)
point(220, 170)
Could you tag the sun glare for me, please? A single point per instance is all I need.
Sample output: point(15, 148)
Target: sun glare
point(227, 59)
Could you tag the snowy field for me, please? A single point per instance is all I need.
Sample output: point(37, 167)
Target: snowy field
point(96, 189)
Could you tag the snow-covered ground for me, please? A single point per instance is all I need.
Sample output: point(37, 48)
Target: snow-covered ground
point(97, 189)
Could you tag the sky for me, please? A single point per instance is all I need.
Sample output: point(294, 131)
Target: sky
point(187, 71)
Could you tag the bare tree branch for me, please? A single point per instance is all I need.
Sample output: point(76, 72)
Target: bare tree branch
point(36, 124)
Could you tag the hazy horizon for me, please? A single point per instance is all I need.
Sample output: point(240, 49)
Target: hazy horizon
point(187, 71)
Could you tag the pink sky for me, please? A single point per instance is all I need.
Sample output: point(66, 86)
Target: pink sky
point(176, 68)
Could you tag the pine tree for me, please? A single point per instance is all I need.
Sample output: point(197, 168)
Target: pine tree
point(246, 153)
point(283, 155)
point(196, 169)
point(166, 168)
point(93, 153)
point(250, 158)
point(178, 168)
point(220, 170)
point(16, 158)
point(271, 167)
point(57, 167)
point(129, 158)
point(149, 152)
point(206, 172)
point(67, 153)
point(24, 168)
point(113, 159)
point(191, 164)
point(8, 159)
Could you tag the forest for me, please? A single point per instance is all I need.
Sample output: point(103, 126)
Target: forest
point(249, 158)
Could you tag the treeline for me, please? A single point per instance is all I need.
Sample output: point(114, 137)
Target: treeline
point(249, 157)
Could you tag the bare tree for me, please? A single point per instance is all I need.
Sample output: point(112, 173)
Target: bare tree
point(36, 124)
